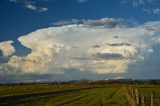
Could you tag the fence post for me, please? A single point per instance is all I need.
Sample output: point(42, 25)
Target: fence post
point(137, 97)
point(134, 95)
point(152, 98)
point(132, 92)
point(1, 88)
point(142, 100)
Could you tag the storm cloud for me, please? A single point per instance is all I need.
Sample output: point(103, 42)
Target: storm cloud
point(89, 47)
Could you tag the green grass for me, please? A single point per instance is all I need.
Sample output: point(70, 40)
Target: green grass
point(28, 89)
point(112, 96)
point(106, 95)
point(146, 91)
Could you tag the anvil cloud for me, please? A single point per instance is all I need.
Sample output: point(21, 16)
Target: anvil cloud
point(101, 48)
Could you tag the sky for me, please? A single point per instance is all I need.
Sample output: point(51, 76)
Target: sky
point(63, 40)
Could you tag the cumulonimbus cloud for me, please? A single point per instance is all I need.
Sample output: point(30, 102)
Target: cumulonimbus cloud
point(93, 48)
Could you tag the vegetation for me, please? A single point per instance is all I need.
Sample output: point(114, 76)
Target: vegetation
point(8, 90)
point(91, 97)
point(146, 91)
point(92, 93)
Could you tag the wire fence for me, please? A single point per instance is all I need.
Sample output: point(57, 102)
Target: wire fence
point(138, 98)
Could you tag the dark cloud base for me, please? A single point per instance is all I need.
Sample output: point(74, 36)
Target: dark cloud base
point(74, 74)
point(108, 56)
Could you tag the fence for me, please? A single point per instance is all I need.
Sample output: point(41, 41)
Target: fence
point(139, 99)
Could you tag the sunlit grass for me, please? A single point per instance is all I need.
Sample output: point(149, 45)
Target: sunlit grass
point(91, 97)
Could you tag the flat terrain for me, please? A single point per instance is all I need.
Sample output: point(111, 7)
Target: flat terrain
point(84, 97)
point(78, 94)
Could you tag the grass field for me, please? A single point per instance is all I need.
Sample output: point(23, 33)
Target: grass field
point(91, 97)
point(77, 94)
point(25, 89)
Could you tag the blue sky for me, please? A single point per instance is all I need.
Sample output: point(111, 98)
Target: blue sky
point(31, 29)
point(17, 20)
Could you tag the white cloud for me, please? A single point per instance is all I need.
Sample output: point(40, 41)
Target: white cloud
point(35, 8)
point(142, 3)
point(42, 9)
point(149, 11)
point(66, 22)
point(103, 22)
point(7, 48)
point(42, 53)
point(138, 2)
point(153, 11)
point(88, 47)
point(31, 5)
point(119, 77)
point(156, 11)
point(107, 22)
